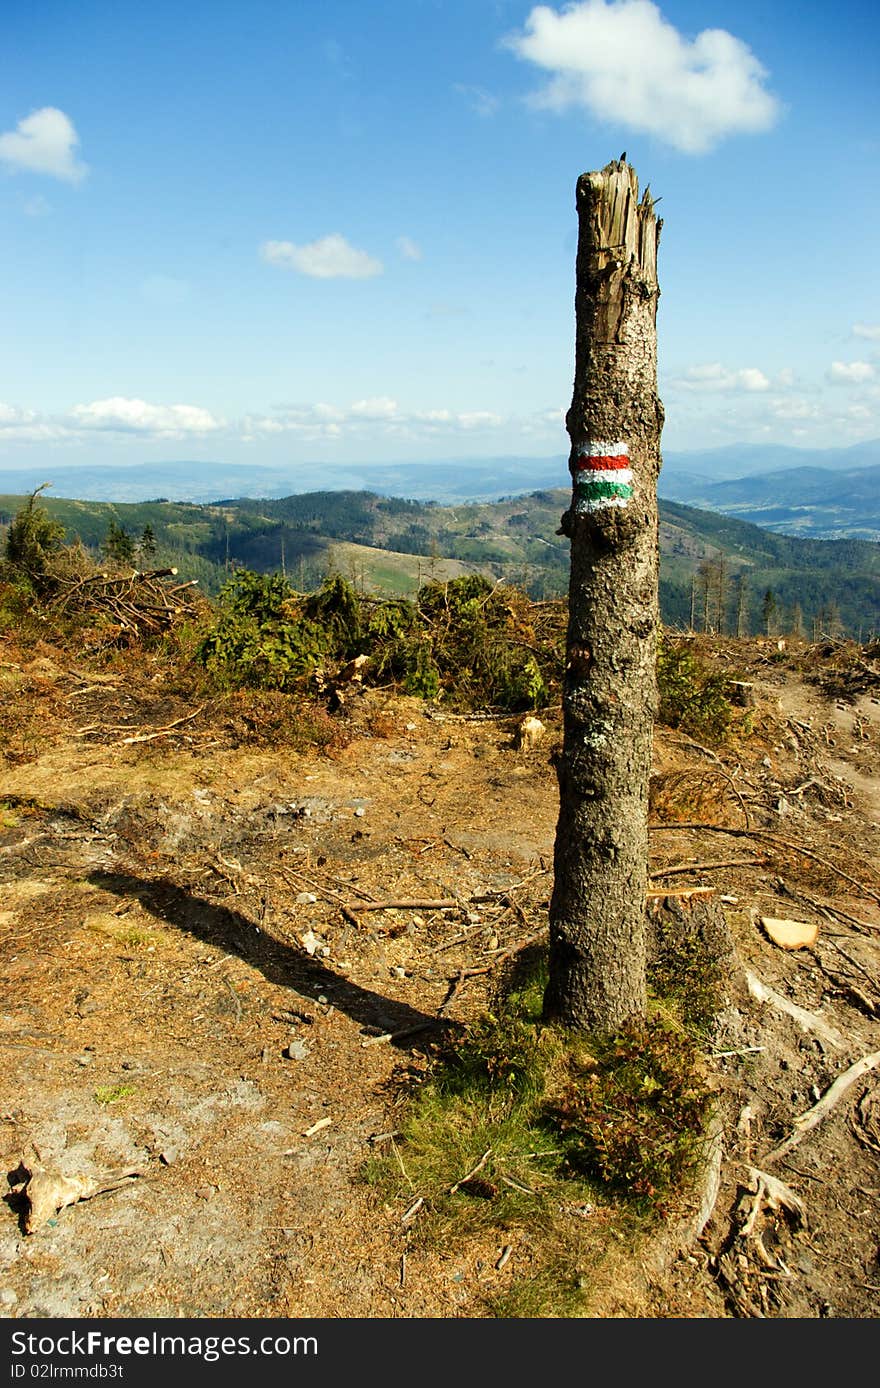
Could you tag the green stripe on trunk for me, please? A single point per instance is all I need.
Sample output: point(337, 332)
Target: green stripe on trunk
point(593, 489)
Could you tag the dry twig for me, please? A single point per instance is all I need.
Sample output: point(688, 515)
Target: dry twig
point(805, 1122)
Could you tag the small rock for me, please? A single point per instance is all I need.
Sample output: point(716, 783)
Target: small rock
point(85, 1059)
point(360, 812)
point(169, 1156)
point(7, 1296)
point(529, 732)
point(305, 898)
point(297, 1050)
point(492, 942)
point(398, 971)
point(205, 1192)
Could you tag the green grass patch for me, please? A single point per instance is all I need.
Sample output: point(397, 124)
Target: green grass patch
point(113, 1093)
point(521, 1126)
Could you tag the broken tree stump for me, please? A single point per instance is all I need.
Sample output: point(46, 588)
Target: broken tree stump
point(597, 911)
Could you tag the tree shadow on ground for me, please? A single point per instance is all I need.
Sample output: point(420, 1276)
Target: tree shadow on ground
point(278, 962)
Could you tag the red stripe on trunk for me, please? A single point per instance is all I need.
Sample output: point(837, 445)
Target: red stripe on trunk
point(584, 463)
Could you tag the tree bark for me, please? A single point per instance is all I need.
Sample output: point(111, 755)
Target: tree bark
point(597, 911)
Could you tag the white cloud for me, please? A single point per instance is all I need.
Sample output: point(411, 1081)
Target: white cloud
point(380, 407)
point(379, 415)
point(329, 258)
point(126, 416)
point(44, 142)
point(796, 408)
point(852, 373)
point(627, 65)
point(869, 330)
point(479, 419)
point(26, 426)
point(713, 376)
point(750, 378)
point(408, 249)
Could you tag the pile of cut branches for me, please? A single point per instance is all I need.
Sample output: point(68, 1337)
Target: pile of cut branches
point(844, 669)
point(137, 604)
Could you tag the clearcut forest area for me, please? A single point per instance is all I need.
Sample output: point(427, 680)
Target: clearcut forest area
point(275, 885)
point(717, 573)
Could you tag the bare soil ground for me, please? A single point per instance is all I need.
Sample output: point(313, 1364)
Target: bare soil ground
point(198, 986)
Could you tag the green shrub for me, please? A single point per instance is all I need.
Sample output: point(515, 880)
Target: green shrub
point(637, 1117)
point(33, 537)
point(464, 640)
point(482, 644)
point(691, 697)
point(268, 637)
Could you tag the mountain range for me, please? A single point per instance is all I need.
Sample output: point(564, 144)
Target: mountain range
point(819, 493)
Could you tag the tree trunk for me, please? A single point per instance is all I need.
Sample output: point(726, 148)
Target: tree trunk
point(597, 912)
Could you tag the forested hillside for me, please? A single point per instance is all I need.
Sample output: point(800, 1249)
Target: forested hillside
point(717, 573)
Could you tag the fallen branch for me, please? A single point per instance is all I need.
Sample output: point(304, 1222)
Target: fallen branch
point(473, 1171)
point(707, 867)
point(410, 1214)
point(47, 1191)
point(707, 751)
point(806, 1122)
point(464, 974)
point(875, 983)
point(807, 1021)
point(772, 838)
point(683, 893)
point(389, 1037)
point(163, 732)
point(845, 916)
point(416, 904)
point(297, 877)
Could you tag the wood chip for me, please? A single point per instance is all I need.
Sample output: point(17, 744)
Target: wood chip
point(789, 934)
point(413, 1210)
point(316, 1127)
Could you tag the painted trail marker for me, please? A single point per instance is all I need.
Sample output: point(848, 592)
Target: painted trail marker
point(602, 476)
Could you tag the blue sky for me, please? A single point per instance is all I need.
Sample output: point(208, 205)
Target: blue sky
point(289, 232)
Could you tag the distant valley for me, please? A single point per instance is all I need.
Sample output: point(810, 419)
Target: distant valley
point(808, 501)
point(717, 572)
point(816, 493)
